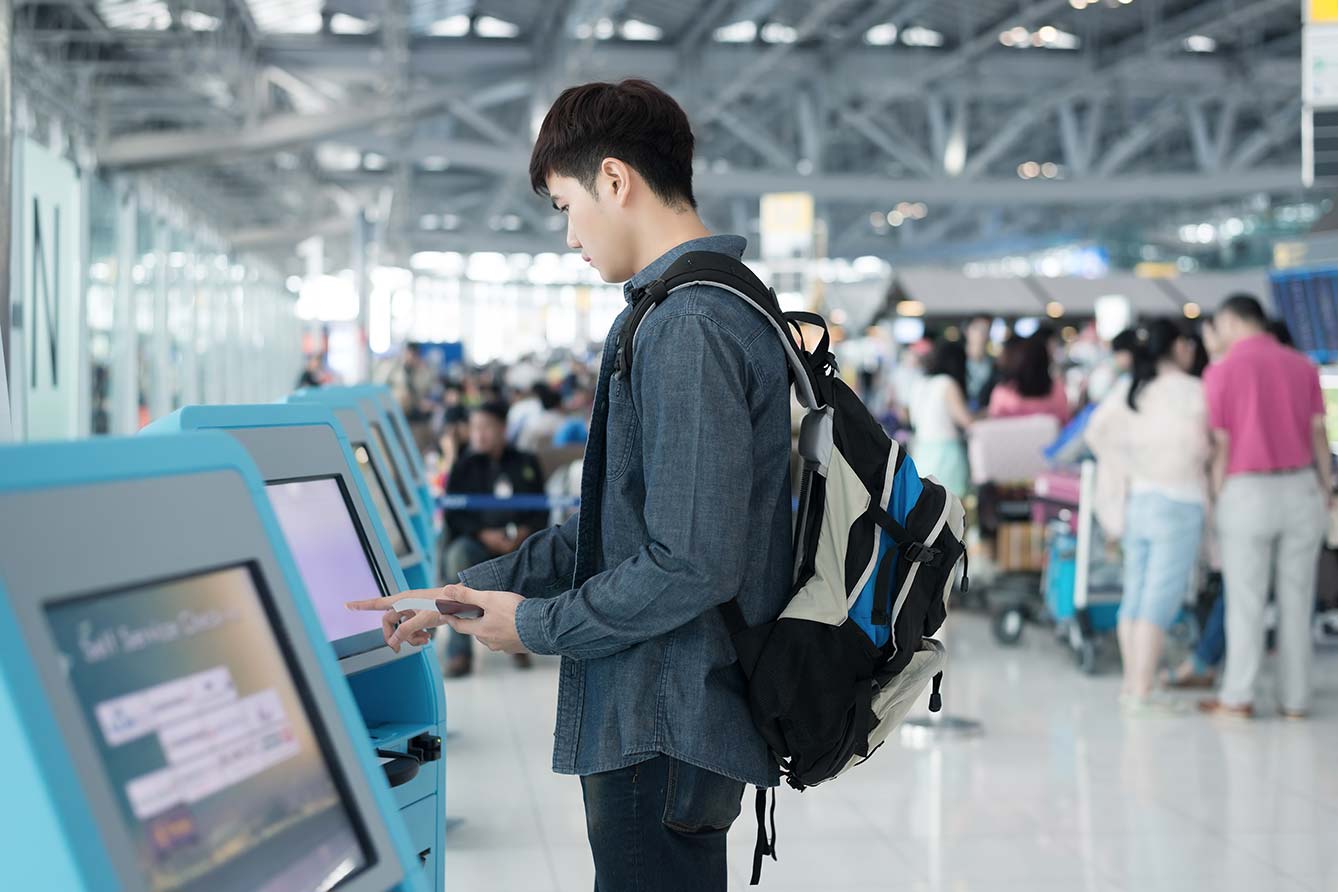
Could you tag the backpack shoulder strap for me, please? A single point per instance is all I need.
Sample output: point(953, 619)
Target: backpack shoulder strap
point(728, 273)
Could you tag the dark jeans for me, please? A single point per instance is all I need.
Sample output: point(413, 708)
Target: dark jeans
point(660, 826)
point(459, 556)
point(1212, 641)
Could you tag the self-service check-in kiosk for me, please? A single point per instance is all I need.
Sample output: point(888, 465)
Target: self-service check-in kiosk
point(343, 553)
point(413, 555)
point(170, 718)
point(401, 434)
point(409, 481)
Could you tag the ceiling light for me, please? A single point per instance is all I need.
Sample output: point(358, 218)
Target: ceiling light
point(918, 36)
point(881, 35)
point(603, 29)
point(342, 23)
point(895, 218)
point(1054, 309)
point(634, 29)
point(1200, 43)
point(198, 21)
point(375, 161)
point(1192, 310)
point(429, 222)
point(1078, 4)
point(1029, 170)
point(434, 163)
point(451, 26)
point(739, 32)
point(1049, 170)
point(775, 32)
point(1048, 33)
point(911, 308)
point(488, 26)
point(919, 210)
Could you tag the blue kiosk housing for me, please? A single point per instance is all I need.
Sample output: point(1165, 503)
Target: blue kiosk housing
point(366, 426)
point(169, 719)
point(343, 552)
point(401, 434)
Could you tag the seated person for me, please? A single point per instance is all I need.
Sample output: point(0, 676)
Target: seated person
point(491, 468)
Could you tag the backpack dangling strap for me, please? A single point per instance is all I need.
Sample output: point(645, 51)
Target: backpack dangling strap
point(764, 845)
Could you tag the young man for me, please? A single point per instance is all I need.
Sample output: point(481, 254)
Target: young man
point(685, 504)
point(1272, 475)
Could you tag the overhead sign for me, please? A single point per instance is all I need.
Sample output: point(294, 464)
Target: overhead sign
point(47, 294)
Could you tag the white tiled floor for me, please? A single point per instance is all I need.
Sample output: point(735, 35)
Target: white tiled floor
point(1061, 793)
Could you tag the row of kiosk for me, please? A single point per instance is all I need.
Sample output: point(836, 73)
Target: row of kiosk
point(185, 701)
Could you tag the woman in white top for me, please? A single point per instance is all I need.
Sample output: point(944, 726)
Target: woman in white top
point(1156, 427)
point(940, 417)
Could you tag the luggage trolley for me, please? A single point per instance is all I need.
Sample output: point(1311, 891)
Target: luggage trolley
point(1082, 583)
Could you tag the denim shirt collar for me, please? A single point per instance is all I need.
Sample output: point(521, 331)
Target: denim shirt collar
point(733, 245)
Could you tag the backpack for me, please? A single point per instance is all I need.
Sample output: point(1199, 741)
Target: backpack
point(876, 552)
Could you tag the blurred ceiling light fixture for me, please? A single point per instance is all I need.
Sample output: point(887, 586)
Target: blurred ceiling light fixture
point(1049, 170)
point(910, 308)
point(451, 26)
point(919, 36)
point(198, 21)
point(1200, 43)
point(881, 35)
point(375, 161)
point(634, 29)
point(343, 23)
point(492, 27)
point(1079, 4)
point(775, 32)
point(434, 163)
point(1029, 170)
point(1193, 310)
point(895, 218)
point(739, 32)
point(1054, 309)
point(333, 156)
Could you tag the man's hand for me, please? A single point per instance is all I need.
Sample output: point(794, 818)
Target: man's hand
point(496, 629)
point(404, 626)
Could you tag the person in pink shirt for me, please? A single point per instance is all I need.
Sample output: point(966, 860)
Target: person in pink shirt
point(1272, 474)
point(1026, 385)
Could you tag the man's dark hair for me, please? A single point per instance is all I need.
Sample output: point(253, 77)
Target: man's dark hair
point(495, 409)
point(633, 121)
point(1279, 330)
point(549, 398)
point(1125, 342)
point(1246, 308)
point(1025, 366)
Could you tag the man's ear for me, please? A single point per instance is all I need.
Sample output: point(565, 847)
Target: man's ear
point(618, 176)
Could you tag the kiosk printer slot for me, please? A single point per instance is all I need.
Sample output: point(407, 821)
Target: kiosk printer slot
point(343, 553)
point(168, 718)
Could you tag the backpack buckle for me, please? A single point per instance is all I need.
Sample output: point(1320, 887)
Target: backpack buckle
point(920, 553)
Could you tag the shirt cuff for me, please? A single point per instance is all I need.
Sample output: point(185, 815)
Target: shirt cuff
point(482, 577)
point(530, 616)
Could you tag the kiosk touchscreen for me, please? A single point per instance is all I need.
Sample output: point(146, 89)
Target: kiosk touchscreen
point(169, 717)
point(326, 512)
point(374, 465)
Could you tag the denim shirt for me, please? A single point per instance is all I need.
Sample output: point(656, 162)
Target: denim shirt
point(685, 503)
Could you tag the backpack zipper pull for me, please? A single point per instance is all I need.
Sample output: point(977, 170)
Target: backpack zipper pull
point(935, 698)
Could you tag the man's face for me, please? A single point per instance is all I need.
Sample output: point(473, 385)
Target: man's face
point(596, 225)
point(977, 335)
point(487, 434)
